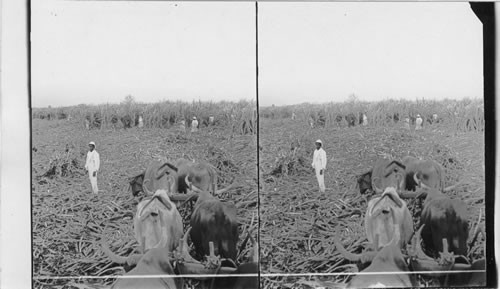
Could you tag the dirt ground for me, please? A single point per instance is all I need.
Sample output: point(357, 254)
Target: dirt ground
point(297, 221)
point(69, 220)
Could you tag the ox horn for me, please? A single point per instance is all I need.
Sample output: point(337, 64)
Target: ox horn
point(184, 248)
point(145, 188)
point(419, 182)
point(367, 256)
point(130, 260)
point(191, 186)
point(375, 188)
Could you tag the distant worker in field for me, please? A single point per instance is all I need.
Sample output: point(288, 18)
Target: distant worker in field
point(311, 122)
point(141, 122)
point(365, 119)
point(293, 115)
point(418, 122)
point(319, 164)
point(92, 166)
point(211, 120)
point(182, 125)
point(434, 118)
point(194, 125)
point(407, 123)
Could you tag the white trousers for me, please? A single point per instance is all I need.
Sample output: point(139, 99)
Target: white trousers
point(93, 182)
point(321, 180)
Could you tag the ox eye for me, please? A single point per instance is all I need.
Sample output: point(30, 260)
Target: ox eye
point(154, 214)
point(385, 211)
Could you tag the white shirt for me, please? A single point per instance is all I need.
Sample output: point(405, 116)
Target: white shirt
point(319, 159)
point(93, 161)
point(194, 123)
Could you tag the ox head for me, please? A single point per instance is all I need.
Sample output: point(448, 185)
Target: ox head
point(157, 223)
point(388, 174)
point(383, 214)
point(387, 219)
point(189, 265)
point(388, 260)
point(430, 175)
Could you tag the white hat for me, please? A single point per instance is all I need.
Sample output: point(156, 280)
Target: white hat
point(418, 115)
point(319, 141)
point(194, 117)
point(92, 143)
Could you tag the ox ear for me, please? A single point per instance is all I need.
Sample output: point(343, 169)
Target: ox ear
point(137, 179)
point(164, 169)
point(365, 177)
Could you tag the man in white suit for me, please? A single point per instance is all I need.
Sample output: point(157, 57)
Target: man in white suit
point(92, 166)
point(319, 164)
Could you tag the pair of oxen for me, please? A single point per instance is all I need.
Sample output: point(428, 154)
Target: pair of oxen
point(443, 229)
point(158, 228)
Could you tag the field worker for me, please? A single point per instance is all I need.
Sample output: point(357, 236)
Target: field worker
point(182, 125)
point(418, 122)
point(194, 125)
point(407, 123)
point(311, 122)
point(92, 166)
point(365, 119)
point(293, 115)
point(319, 164)
point(141, 122)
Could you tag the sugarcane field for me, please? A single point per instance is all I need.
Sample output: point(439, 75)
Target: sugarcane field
point(301, 227)
point(71, 222)
point(296, 225)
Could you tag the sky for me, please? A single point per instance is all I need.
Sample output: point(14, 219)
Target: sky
point(101, 51)
point(322, 52)
point(96, 52)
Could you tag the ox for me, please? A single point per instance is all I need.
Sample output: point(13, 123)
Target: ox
point(388, 260)
point(384, 216)
point(202, 175)
point(213, 221)
point(385, 173)
point(444, 218)
point(447, 262)
point(157, 224)
point(165, 175)
point(249, 280)
point(158, 175)
point(444, 231)
point(426, 173)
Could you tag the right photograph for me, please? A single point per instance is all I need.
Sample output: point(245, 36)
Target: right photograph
point(372, 145)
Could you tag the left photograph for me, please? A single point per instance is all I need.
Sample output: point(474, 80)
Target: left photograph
point(144, 144)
